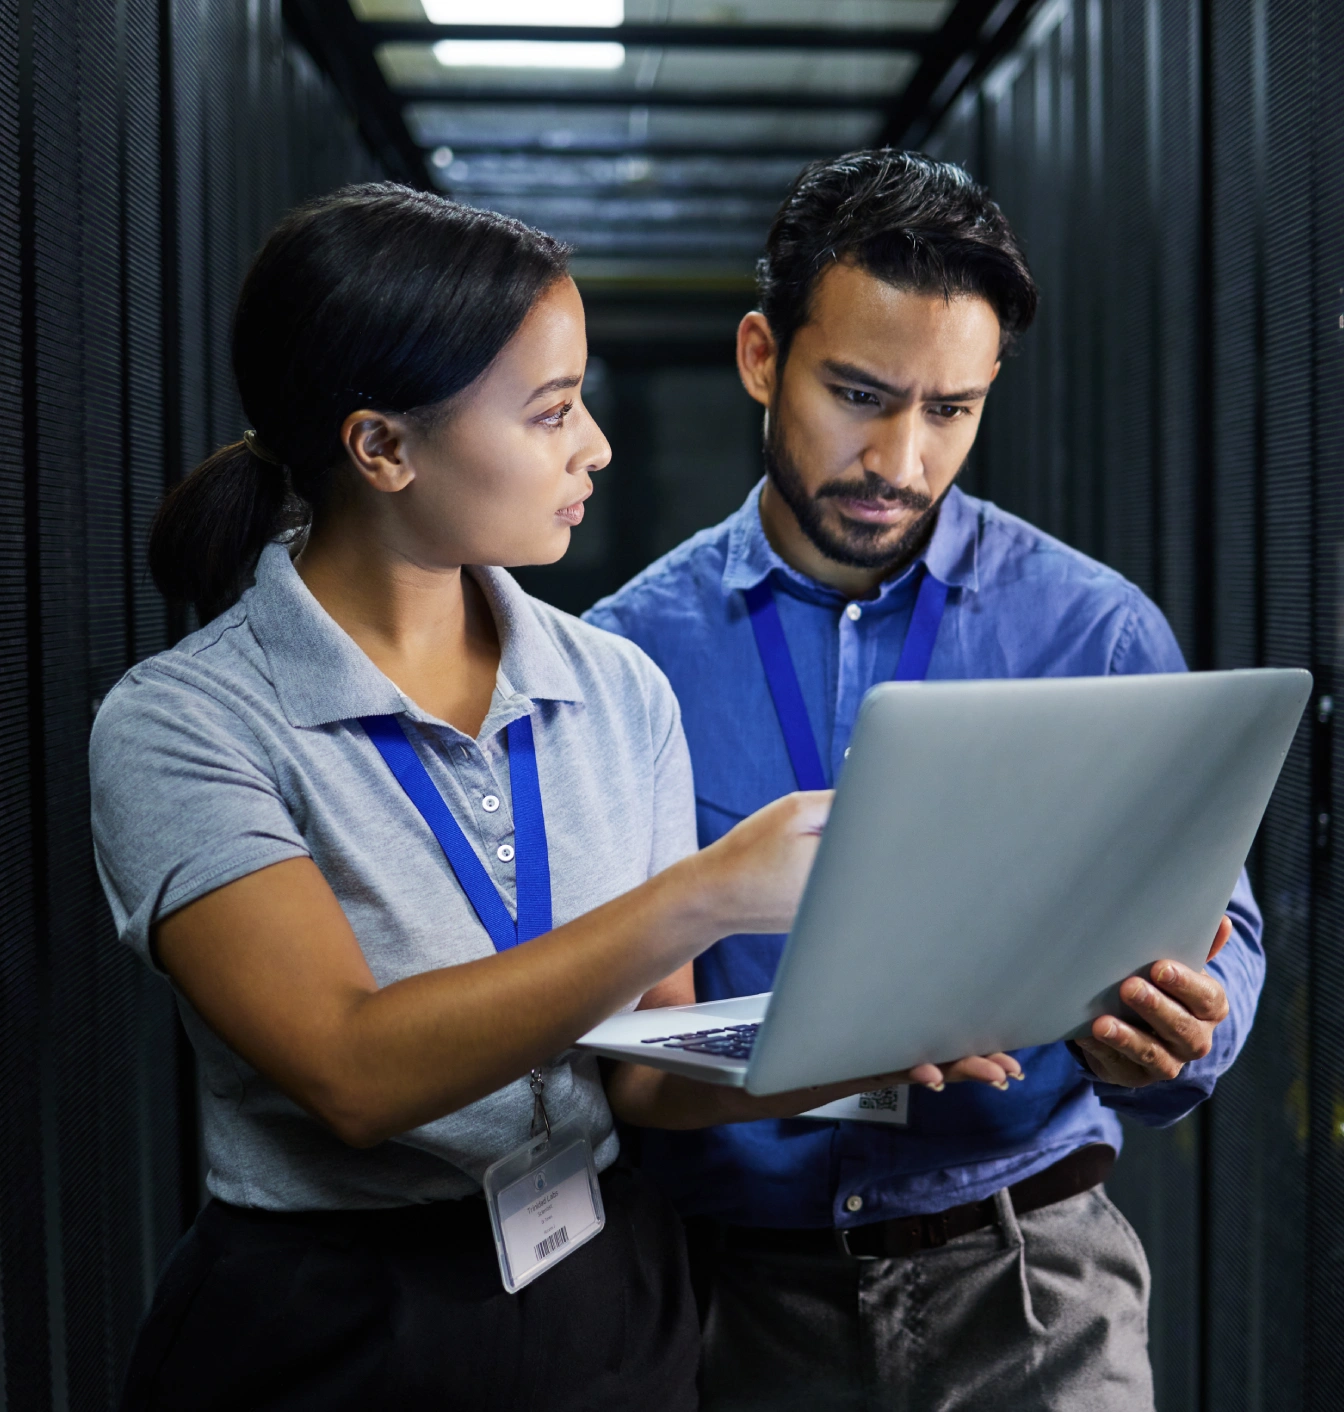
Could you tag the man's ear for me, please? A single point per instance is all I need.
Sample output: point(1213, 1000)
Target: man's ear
point(757, 357)
point(376, 446)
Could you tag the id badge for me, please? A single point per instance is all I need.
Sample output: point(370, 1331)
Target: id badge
point(544, 1203)
point(882, 1105)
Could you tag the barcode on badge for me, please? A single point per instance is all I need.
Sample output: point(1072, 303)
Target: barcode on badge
point(881, 1098)
point(552, 1243)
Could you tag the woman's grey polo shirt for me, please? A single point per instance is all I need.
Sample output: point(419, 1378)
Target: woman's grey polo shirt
point(240, 747)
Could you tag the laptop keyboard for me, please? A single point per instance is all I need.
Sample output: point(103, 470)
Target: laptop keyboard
point(727, 1042)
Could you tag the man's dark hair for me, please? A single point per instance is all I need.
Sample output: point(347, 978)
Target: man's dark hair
point(910, 221)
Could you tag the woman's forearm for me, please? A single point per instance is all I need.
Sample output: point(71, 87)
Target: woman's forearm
point(271, 964)
point(438, 1041)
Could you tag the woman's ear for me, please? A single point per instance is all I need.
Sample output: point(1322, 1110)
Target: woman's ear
point(376, 446)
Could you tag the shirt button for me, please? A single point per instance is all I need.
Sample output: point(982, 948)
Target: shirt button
point(490, 803)
point(504, 853)
point(853, 612)
point(853, 1203)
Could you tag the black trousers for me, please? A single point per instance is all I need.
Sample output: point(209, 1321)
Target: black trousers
point(405, 1310)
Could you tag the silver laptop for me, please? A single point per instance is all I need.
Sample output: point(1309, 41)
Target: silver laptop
point(1000, 856)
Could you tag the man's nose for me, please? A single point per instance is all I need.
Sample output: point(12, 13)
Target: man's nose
point(895, 452)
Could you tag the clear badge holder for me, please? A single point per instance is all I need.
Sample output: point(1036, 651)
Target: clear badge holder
point(544, 1200)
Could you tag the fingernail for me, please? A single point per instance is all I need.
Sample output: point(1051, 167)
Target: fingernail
point(1110, 1030)
point(1168, 974)
point(1002, 1085)
point(935, 1088)
point(1019, 1076)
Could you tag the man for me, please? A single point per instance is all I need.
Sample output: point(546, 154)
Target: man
point(968, 1259)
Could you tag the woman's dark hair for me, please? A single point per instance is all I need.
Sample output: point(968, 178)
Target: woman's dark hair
point(378, 296)
point(902, 217)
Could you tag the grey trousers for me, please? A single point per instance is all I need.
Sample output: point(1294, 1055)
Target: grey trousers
point(1044, 1311)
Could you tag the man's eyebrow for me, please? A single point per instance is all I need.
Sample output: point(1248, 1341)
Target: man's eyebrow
point(967, 394)
point(556, 385)
point(853, 373)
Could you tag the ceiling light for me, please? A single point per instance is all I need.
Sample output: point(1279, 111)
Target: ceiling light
point(599, 14)
point(442, 157)
point(526, 54)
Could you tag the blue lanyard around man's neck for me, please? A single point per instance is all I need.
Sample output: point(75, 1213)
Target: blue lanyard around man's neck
point(531, 860)
point(782, 676)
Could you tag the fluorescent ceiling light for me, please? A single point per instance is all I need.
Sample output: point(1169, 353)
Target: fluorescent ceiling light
point(526, 54)
point(603, 14)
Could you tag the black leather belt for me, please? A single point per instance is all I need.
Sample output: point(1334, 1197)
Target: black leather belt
point(908, 1235)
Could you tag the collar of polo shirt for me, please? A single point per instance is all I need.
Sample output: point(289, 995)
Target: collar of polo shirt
point(321, 676)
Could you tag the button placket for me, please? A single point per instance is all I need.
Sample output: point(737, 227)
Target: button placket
point(496, 806)
point(487, 797)
point(849, 685)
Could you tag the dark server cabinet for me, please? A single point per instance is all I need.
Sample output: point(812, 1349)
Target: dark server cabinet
point(1177, 170)
point(145, 147)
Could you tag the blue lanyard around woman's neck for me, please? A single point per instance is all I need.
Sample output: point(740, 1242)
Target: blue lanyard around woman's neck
point(782, 675)
point(531, 860)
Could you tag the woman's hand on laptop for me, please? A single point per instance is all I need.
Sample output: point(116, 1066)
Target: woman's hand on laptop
point(1179, 1012)
point(752, 878)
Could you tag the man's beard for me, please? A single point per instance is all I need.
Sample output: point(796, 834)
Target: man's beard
point(853, 543)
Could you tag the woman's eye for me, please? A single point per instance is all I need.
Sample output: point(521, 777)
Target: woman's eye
point(557, 418)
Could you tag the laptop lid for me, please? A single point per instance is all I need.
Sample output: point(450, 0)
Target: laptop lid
point(1002, 854)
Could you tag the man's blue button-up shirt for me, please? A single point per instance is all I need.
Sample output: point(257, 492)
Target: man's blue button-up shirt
point(1020, 605)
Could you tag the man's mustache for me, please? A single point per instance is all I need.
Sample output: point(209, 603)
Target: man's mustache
point(873, 487)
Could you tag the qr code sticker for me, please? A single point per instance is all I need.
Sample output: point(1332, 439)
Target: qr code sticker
point(888, 1099)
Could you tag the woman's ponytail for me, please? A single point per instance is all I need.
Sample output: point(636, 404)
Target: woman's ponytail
point(212, 527)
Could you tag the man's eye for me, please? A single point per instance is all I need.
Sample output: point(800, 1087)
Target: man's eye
point(856, 397)
point(949, 411)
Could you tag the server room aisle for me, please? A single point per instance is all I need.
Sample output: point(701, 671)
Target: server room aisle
point(1176, 170)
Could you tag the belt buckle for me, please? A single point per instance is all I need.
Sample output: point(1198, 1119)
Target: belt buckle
point(842, 1244)
point(934, 1226)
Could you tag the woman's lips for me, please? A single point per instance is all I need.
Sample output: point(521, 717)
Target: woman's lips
point(571, 514)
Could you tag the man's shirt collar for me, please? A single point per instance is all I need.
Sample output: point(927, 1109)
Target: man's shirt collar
point(950, 554)
point(322, 676)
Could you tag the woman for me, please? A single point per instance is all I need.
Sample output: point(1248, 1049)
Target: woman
point(281, 805)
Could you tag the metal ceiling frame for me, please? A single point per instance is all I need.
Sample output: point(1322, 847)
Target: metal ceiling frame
point(645, 98)
point(972, 36)
point(664, 36)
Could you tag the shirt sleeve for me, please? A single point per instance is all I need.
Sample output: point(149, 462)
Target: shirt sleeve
point(184, 800)
point(1147, 645)
point(674, 831)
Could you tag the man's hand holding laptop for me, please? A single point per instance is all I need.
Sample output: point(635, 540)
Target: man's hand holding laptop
point(1181, 1009)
